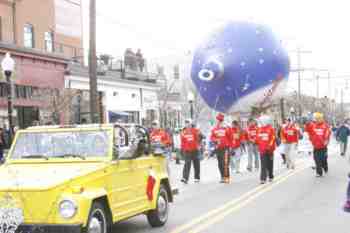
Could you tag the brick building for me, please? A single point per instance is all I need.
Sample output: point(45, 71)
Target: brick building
point(43, 36)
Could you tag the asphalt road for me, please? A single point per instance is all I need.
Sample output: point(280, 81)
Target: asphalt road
point(295, 202)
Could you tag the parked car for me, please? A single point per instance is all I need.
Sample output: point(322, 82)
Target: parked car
point(83, 179)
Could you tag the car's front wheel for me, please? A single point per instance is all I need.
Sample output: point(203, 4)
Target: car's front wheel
point(159, 216)
point(99, 222)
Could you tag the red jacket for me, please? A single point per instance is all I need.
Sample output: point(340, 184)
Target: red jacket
point(190, 139)
point(266, 139)
point(290, 133)
point(160, 136)
point(252, 130)
point(244, 136)
point(220, 136)
point(234, 137)
point(319, 134)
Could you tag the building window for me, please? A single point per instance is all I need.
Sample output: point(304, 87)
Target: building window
point(23, 92)
point(49, 42)
point(134, 117)
point(28, 36)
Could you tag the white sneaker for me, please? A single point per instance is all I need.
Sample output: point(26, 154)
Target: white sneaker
point(196, 180)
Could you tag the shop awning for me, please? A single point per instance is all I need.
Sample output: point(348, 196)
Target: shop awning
point(116, 113)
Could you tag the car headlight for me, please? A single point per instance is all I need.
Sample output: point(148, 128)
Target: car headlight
point(67, 208)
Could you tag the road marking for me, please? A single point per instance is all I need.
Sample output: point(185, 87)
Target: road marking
point(236, 202)
point(242, 204)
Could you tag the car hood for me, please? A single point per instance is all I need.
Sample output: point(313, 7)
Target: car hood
point(42, 176)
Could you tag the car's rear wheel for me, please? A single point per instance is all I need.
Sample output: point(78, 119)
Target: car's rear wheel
point(99, 221)
point(159, 216)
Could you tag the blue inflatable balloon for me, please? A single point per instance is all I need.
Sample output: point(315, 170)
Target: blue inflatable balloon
point(239, 66)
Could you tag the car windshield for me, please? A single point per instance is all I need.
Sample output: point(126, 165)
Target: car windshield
point(82, 144)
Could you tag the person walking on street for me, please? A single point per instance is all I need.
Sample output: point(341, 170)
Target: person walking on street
point(319, 134)
point(342, 135)
point(244, 140)
point(220, 137)
point(190, 139)
point(235, 146)
point(253, 153)
point(281, 142)
point(290, 134)
point(160, 136)
point(266, 140)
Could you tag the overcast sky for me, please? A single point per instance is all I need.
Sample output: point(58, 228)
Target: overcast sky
point(163, 28)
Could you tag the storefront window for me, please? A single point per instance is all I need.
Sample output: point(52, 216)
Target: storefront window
point(134, 117)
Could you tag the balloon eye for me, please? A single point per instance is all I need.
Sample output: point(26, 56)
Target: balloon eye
point(210, 70)
point(206, 75)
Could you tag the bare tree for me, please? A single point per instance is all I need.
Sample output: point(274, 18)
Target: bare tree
point(57, 102)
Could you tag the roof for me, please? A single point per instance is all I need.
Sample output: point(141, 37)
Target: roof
point(135, 78)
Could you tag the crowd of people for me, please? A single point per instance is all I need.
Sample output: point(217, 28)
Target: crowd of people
point(258, 140)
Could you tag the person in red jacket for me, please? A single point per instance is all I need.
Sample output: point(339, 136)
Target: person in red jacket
point(159, 135)
point(244, 140)
point(266, 140)
point(220, 137)
point(235, 146)
point(319, 134)
point(251, 145)
point(190, 138)
point(290, 135)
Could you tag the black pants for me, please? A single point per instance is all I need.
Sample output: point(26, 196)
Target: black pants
point(190, 157)
point(321, 160)
point(223, 163)
point(266, 166)
point(284, 158)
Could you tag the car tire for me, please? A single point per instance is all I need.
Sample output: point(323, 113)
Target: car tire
point(159, 216)
point(99, 219)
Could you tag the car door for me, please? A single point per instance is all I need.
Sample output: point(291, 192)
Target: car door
point(144, 165)
point(123, 179)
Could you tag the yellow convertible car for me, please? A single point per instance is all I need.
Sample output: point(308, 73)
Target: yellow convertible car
point(82, 179)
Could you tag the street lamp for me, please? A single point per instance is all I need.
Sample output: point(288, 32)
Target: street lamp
point(8, 66)
point(190, 98)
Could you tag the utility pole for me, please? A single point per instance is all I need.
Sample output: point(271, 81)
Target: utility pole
point(299, 52)
point(93, 64)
